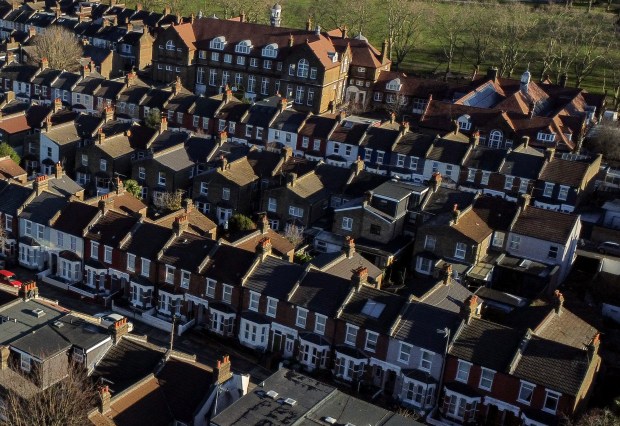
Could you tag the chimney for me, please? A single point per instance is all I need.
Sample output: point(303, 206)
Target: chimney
point(9, 96)
point(32, 31)
point(176, 89)
point(192, 18)
point(188, 205)
point(317, 30)
point(222, 372)
point(436, 181)
point(404, 128)
point(263, 223)
point(455, 214)
point(456, 127)
point(167, 10)
point(40, 184)
point(108, 114)
point(44, 64)
point(563, 80)
point(594, 345)
point(10, 57)
point(291, 178)
point(549, 154)
point(447, 273)
point(286, 153)
point(29, 290)
point(58, 172)
point(130, 79)
point(359, 277)
point(5, 353)
point(525, 141)
point(524, 201)
point(384, 51)
point(57, 104)
point(263, 248)
point(309, 24)
point(349, 246)
point(282, 104)
point(100, 136)
point(104, 203)
point(105, 23)
point(331, 107)
point(85, 71)
point(48, 123)
point(179, 19)
point(180, 225)
point(291, 40)
point(242, 17)
point(105, 399)
point(139, 7)
point(163, 126)
point(475, 138)
point(228, 94)
point(357, 166)
point(531, 109)
point(392, 117)
point(345, 31)
point(558, 302)
point(492, 74)
point(222, 137)
point(120, 187)
point(223, 162)
point(470, 308)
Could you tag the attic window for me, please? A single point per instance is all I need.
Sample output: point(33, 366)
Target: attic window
point(218, 43)
point(170, 45)
point(373, 309)
point(464, 122)
point(545, 137)
point(290, 401)
point(333, 56)
point(243, 47)
point(270, 51)
point(394, 85)
point(272, 394)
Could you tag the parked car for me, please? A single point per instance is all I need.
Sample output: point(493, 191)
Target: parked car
point(9, 278)
point(609, 247)
point(107, 319)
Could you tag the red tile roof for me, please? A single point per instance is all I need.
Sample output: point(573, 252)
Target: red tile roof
point(13, 125)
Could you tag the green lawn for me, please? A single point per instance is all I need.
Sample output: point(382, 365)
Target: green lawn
point(427, 57)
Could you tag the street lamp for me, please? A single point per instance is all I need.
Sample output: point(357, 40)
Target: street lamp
point(445, 332)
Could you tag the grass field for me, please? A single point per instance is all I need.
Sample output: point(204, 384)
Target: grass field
point(427, 57)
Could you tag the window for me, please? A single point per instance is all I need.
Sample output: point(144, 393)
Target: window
point(380, 155)
point(170, 274)
point(73, 243)
point(313, 73)
point(161, 178)
point(299, 95)
point(471, 175)
point(367, 154)
point(264, 86)
point(212, 77)
point(227, 293)
point(548, 189)
point(545, 137)
point(464, 122)
point(515, 241)
point(378, 96)
point(375, 229)
point(296, 211)
point(563, 194)
point(523, 185)
point(302, 68)
point(210, 289)
point(551, 401)
point(553, 252)
point(267, 64)
point(131, 262)
point(429, 242)
point(170, 45)
point(404, 353)
point(272, 204)
point(25, 362)
point(319, 324)
point(508, 183)
point(435, 167)
point(254, 300)
point(103, 165)
point(351, 335)
point(413, 163)
point(347, 223)
point(371, 341)
point(107, 254)
point(228, 58)
point(272, 307)
point(185, 279)
point(462, 374)
point(40, 234)
point(8, 223)
point(254, 62)
point(485, 178)
point(84, 160)
point(525, 393)
point(94, 250)
point(316, 145)
point(240, 60)
point(302, 315)
point(461, 249)
point(495, 139)
point(498, 239)
point(426, 361)
point(215, 56)
point(226, 194)
point(486, 379)
point(145, 267)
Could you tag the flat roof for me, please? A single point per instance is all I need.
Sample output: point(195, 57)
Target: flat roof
point(21, 317)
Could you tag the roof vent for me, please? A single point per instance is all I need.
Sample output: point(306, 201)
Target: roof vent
point(38, 312)
point(57, 324)
point(290, 401)
point(272, 394)
point(330, 420)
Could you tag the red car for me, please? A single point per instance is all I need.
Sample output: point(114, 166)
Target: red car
point(9, 278)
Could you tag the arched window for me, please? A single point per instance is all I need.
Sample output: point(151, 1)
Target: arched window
point(243, 47)
point(170, 45)
point(270, 51)
point(394, 85)
point(495, 139)
point(218, 43)
point(302, 68)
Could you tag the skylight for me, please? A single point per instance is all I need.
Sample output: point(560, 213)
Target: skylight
point(373, 309)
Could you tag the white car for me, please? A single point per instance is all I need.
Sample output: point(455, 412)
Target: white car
point(106, 319)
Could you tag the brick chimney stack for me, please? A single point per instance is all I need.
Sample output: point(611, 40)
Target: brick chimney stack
point(29, 290)
point(470, 308)
point(263, 248)
point(163, 126)
point(57, 104)
point(44, 64)
point(349, 246)
point(40, 184)
point(447, 273)
point(436, 181)
point(263, 223)
point(119, 329)
point(558, 302)
point(181, 223)
point(105, 399)
point(360, 277)
point(58, 172)
point(455, 214)
point(104, 203)
point(222, 372)
point(100, 136)
point(108, 114)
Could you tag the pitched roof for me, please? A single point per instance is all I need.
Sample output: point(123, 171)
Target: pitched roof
point(43, 207)
point(372, 309)
point(564, 172)
point(274, 277)
point(9, 169)
point(546, 225)
point(187, 251)
point(16, 124)
point(111, 227)
point(249, 240)
point(156, 235)
point(472, 226)
point(321, 292)
point(229, 264)
point(74, 218)
point(13, 196)
point(497, 213)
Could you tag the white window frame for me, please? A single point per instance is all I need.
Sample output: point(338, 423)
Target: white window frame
point(227, 293)
point(145, 267)
point(94, 250)
point(429, 242)
point(563, 194)
point(107, 254)
point(460, 250)
point(272, 307)
point(526, 385)
point(548, 192)
point(169, 278)
point(131, 262)
point(254, 302)
point(351, 332)
point(490, 380)
point(554, 395)
point(426, 360)
point(347, 223)
point(372, 339)
point(301, 318)
point(320, 323)
point(462, 371)
point(515, 242)
point(185, 278)
point(404, 353)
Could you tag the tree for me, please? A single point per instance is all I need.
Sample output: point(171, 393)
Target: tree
point(133, 187)
point(449, 28)
point(599, 417)
point(483, 29)
point(60, 47)
point(605, 140)
point(405, 20)
point(239, 222)
point(590, 46)
point(153, 119)
point(515, 24)
point(294, 234)
point(7, 150)
point(65, 403)
point(172, 200)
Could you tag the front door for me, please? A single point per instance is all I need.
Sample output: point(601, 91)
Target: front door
point(289, 346)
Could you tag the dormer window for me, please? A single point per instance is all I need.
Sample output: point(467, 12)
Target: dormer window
point(464, 122)
point(545, 137)
point(394, 85)
point(243, 47)
point(218, 43)
point(270, 51)
point(170, 45)
point(333, 56)
point(495, 139)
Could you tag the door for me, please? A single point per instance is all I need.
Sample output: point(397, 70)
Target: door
point(289, 346)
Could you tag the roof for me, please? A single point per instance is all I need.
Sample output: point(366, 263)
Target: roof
point(340, 265)
point(349, 132)
point(9, 169)
point(444, 199)
point(74, 218)
point(13, 196)
point(187, 251)
point(372, 309)
point(484, 158)
point(448, 151)
point(321, 292)
point(274, 277)
point(280, 245)
point(229, 264)
point(43, 343)
point(396, 190)
point(523, 164)
point(198, 223)
point(472, 226)
point(546, 225)
point(23, 321)
point(43, 207)
point(156, 235)
point(110, 228)
point(318, 126)
point(565, 172)
point(13, 125)
point(497, 213)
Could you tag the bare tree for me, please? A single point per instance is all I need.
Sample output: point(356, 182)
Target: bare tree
point(515, 23)
point(483, 30)
point(449, 28)
point(590, 46)
point(405, 19)
point(172, 200)
point(294, 234)
point(65, 403)
point(604, 140)
point(60, 47)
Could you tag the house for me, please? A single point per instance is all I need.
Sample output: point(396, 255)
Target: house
point(14, 129)
point(285, 127)
point(376, 148)
point(10, 170)
point(197, 222)
point(248, 240)
point(15, 197)
point(343, 143)
point(480, 164)
point(408, 155)
point(312, 137)
point(533, 375)
point(398, 92)
point(611, 218)
point(446, 156)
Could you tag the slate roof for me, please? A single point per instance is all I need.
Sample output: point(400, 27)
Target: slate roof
point(74, 218)
point(43, 343)
point(110, 228)
point(484, 158)
point(274, 277)
point(321, 292)
point(497, 213)
point(472, 226)
point(187, 251)
point(444, 199)
point(522, 164)
point(229, 264)
point(13, 196)
point(156, 235)
point(249, 240)
point(288, 121)
point(318, 126)
point(564, 172)
point(63, 185)
point(353, 309)
point(546, 225)
point(43, 207)
point(414, 144)
point(448, 151)
point(381, 138)
point(319, 183)
point(340, 265)
point(349, 132)
point(239, 172)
